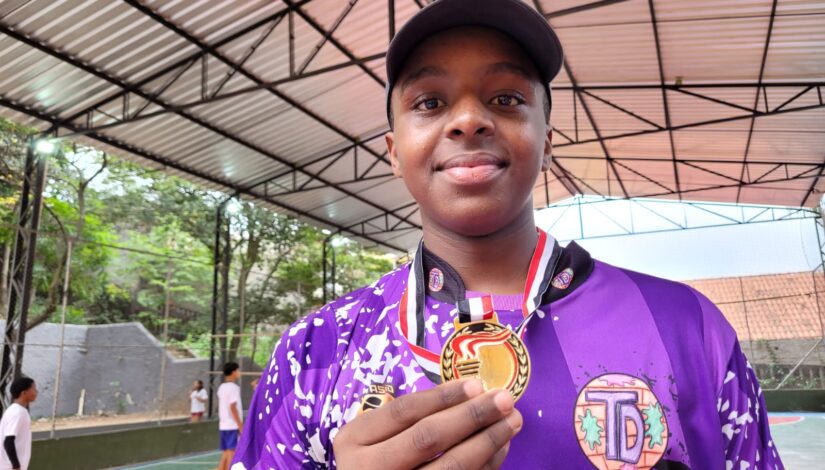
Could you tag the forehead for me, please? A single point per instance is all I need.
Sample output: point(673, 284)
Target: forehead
point(484, 45)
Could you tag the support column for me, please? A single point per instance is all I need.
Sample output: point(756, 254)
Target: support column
point(221, 255)
point(22, 270)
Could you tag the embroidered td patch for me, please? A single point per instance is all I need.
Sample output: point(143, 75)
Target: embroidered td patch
point(620, 423)
point(563, 279)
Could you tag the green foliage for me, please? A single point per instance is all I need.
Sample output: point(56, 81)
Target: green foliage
point(131, 228)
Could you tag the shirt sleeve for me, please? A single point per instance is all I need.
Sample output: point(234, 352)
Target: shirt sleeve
point(281, 430)
point(744, 418)
point(14, 425)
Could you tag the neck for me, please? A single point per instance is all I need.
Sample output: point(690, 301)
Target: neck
point(22, 402)
point(496, 263)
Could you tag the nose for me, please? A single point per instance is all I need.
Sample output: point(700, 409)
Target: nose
point(470, 119)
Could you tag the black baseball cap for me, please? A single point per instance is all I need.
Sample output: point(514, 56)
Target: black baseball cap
point(519, 21)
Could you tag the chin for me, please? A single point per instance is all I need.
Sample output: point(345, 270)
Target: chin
point(478, 221)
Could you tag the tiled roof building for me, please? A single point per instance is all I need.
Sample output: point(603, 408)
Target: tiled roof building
point(775, 306)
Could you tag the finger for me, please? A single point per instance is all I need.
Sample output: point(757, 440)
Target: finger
point(387, 421)
point(437, 433)
point(485, 449)
point(498, 459)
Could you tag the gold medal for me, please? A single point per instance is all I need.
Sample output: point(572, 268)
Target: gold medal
point(488, 351)
point(376, 396)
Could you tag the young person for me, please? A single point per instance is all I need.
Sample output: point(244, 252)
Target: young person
point(230, 413)
point(610, 368)
point(197, 399)
point(15, 426)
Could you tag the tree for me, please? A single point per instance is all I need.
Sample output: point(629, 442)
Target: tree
point(67, 206)
point(13, 142)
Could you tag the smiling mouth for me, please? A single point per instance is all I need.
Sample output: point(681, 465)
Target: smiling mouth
point(472, 161)
point(472, 169)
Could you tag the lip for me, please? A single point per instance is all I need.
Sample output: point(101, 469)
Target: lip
point(472, 169)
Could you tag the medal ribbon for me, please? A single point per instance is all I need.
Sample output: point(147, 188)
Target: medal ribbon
point(411, 309)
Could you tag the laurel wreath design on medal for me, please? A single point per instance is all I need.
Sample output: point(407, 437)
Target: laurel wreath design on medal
point(471, 338)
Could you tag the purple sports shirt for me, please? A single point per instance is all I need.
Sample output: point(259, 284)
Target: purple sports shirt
point(628, 372)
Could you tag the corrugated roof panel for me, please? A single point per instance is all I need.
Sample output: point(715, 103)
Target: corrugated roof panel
point(628, 57)
point(688, 109)
point(210, 20)
point(653, 145)
point(701, 51)
point(354, 102)
point(627, 12)
point(706, 41)
point(611, 120)
point(796, 48)
point(717, 142)
point(672, 11)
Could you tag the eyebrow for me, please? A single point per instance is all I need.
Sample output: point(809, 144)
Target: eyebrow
point(423, 72)
point(511, 68)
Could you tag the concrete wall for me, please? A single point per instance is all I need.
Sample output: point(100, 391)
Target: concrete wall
point(96, 451)
point(118, 366)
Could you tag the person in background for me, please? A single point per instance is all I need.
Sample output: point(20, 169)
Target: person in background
point(15, 426)
point(230, 411)
point(198, 399)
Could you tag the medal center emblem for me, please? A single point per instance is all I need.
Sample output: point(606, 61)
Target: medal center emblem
point(490, 352)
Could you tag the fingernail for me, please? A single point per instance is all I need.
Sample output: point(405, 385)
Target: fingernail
point(473, 387)
point(503, 400)
point(515, 421)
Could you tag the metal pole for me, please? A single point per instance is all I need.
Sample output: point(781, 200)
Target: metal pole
point(63, 308)
point(227, 258)
point(333, 270)
point(324, 281)
point(166, 305)
point(20, 282)
point(216, 261)
point(241, 314)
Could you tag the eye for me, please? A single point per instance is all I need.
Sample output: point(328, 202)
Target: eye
point(507, 100)
point(428, 104)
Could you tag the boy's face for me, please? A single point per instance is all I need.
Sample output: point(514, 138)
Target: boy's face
point(30, 395)
point(470, 135)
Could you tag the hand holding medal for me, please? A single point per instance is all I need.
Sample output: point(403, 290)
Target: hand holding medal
point(456, 422)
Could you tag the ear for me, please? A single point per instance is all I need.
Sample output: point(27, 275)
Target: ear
point(547, 158)
point(389, 137)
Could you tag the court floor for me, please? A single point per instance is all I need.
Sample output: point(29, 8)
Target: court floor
point(800, 438)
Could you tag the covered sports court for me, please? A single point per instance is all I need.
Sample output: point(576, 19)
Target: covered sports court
point(715, 105)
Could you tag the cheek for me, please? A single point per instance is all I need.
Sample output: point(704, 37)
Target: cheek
point(415, 148)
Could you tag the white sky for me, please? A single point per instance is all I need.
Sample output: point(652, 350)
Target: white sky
point(735, 250)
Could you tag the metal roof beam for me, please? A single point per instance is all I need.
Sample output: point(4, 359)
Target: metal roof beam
point(811, 190)
point(572, 79)
point(283, 97)
point(310, 21)
point(756, 98)
point(138, 115)
point(595, 128)
point(130, 88)
point(664, 94)
point(42, 46)
point(686, 161)
point(203, 176)
point(577, 9)
point(695, 124)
